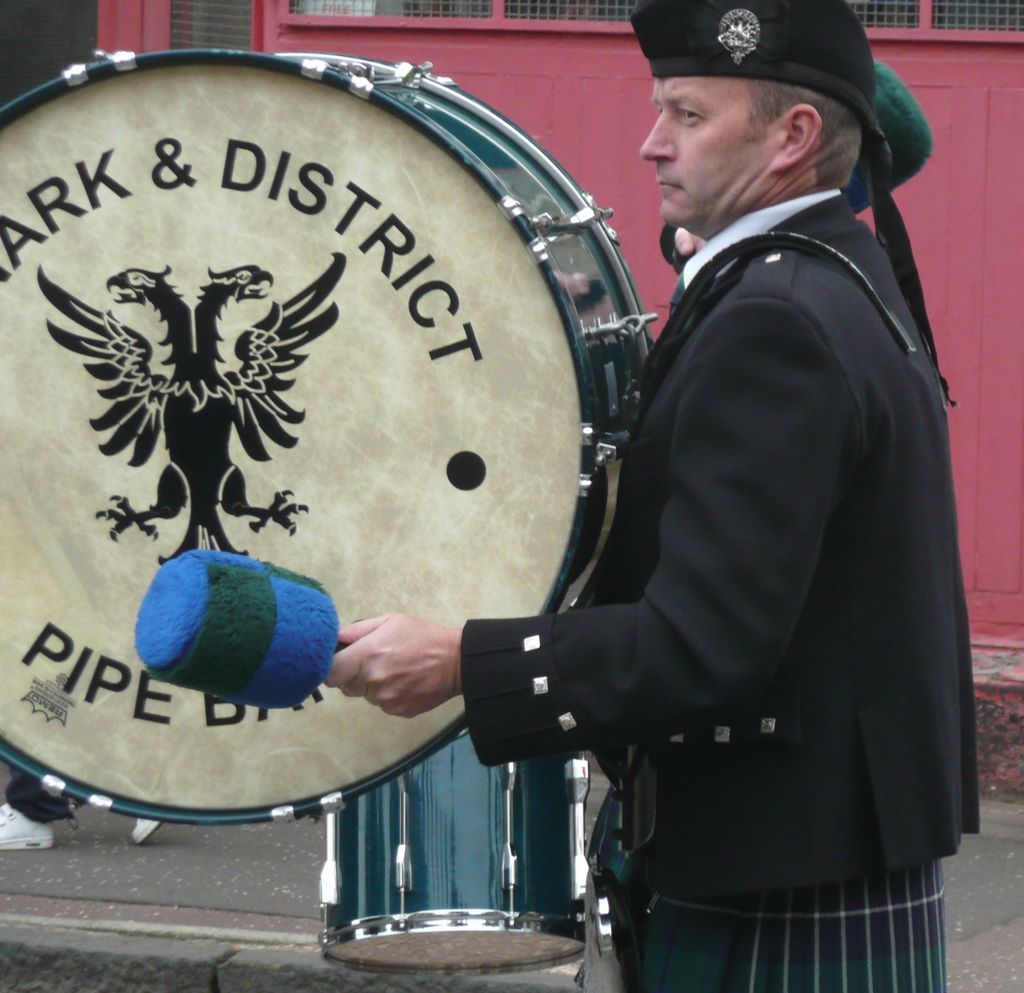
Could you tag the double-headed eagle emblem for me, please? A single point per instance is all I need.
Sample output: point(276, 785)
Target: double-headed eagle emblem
point(194, 403)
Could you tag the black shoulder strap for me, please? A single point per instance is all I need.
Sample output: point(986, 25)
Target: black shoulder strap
point(695, 299)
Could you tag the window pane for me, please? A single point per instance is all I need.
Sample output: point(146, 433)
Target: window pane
point(992, 15)
point(887, 13)
point(211, 24)
point(393, 8)
point(570, 10)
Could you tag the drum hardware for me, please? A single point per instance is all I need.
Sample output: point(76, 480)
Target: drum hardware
point(577, 778)
point(54, 785)
point(610, 449)
point(122, 60)
point(601, 916)
point(586, 482)
point(550, 227)
point(627, 328)
point(314, 68)
point(332, 803)
point(361, 86)
point(509, 859)
point(98, 802)
point(77, 74)
point(403, 853)
point(283, 815)
point(330, 873)
point(410, 75)
point(511, 207)
point(539, 247)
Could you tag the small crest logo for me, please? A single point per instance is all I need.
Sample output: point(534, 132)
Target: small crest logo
point(50, 700)
point(739, 33)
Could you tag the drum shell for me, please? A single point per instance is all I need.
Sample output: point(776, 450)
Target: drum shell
point(418, 870)
point(456, 839)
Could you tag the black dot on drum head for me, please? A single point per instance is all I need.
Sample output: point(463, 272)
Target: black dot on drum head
point(466, 470)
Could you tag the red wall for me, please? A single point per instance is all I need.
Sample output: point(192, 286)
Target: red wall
point(582, 91)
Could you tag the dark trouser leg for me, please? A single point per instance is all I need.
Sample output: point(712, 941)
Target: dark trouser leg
point(26, 795)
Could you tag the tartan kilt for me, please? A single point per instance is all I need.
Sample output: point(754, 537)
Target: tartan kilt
point(884, 934)
point(880, 935)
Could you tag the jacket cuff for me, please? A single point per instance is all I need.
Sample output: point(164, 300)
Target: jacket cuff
point(516, 705)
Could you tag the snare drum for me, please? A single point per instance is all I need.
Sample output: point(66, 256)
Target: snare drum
point(343, 318)
point(454, 866)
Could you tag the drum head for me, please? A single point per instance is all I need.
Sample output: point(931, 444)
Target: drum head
point(250, 310)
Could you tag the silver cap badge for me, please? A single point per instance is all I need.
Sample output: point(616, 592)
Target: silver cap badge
point(739, 33)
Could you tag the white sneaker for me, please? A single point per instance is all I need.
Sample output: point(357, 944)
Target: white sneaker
point(18, 832)
point(144, 830)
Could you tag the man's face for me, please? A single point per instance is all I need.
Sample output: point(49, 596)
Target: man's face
point(711, 159)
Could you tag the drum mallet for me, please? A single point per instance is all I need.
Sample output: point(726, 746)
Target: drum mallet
point(242, 630)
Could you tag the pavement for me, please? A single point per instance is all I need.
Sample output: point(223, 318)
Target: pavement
point(236, 910)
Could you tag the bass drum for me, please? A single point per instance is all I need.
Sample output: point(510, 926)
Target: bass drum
point(344, 319)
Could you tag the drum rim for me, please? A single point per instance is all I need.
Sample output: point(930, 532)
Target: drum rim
point(473, 921)
point(101, 71)
point(322, 803)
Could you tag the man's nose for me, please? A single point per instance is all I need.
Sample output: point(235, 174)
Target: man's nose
point(656, 144)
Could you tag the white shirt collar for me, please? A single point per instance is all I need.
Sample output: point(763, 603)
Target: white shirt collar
point(754, 223)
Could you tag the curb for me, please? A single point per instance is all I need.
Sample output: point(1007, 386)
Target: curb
point(999, 699)
point(36, 960)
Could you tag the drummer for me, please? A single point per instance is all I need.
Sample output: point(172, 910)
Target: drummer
point(779, 636)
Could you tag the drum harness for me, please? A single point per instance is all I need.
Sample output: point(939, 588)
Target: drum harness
point(632, 773)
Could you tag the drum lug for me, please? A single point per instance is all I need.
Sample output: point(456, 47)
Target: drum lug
point(123, 61)
point(99, 802)
point(410, 75)
point(586, 482)
point(587, 435)
point(549, 227)
point(577, 778)
point(403, 853)
point(330, 874)
point(54, 785)
point(605, 453)
point(627, 328)
point(332, 803)
point(511, 207)
point(509, 859)
point(76, 75)
point(611, 448)
point(283, 815)
point(539, 247)
point(360, 86)
point(314, 68)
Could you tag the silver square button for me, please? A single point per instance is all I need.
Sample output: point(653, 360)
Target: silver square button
point(540, 685)
point(722, 735)
point(567, 722)
point(532, 643)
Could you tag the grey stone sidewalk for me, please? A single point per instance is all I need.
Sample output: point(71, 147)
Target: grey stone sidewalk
point(236, 909)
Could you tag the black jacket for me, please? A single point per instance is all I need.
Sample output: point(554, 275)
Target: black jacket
point(781, 616)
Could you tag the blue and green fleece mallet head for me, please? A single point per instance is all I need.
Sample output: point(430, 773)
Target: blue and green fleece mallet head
point(242, 630)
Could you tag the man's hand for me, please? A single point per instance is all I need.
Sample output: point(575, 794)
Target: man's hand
point(404, 665)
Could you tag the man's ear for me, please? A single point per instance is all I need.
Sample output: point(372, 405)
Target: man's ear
point(799, 137)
